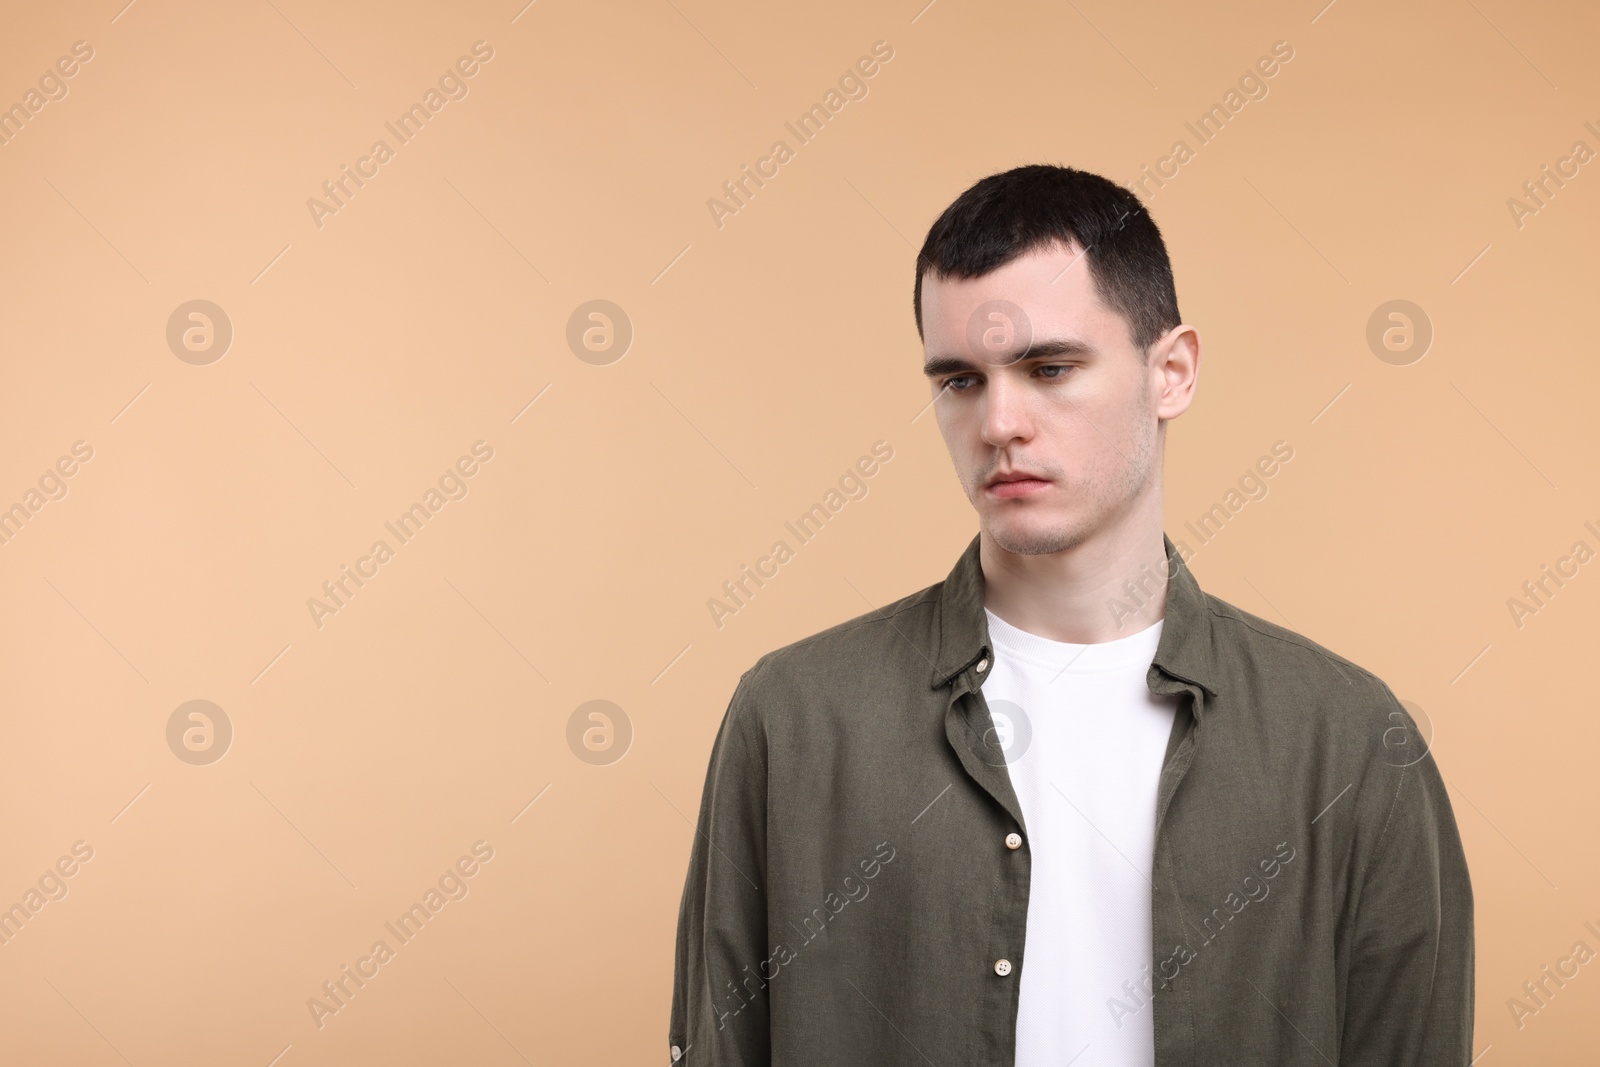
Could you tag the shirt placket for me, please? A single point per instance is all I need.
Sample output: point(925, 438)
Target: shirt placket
point(1005, 861)
point(1173, 1006)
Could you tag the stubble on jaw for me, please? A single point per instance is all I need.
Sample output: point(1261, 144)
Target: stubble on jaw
point(1134, 473)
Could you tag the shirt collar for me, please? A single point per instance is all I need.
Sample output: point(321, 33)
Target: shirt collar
point(963, 636)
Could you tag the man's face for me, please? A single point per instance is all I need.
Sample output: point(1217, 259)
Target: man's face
point(1080, 414)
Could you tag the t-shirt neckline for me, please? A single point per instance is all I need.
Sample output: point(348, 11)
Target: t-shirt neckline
point(1133, 650)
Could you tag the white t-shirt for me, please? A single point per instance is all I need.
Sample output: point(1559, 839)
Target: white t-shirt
point(1084, 739)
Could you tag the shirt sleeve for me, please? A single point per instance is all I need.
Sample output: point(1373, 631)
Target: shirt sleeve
point(1409, 989)
point(720, 1014)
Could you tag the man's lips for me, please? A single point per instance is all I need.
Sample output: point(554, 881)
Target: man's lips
point(1008, 486)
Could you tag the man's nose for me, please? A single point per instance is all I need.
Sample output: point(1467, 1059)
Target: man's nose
point(1005, 414)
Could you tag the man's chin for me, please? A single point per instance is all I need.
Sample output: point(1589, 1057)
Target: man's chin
point(1031, 535)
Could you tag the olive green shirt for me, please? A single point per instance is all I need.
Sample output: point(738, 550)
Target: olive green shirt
point(857, 890)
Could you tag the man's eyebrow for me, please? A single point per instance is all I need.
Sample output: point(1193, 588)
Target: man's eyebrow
point(1049, 348)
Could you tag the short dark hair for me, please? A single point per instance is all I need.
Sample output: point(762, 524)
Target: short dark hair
point(1008, 215)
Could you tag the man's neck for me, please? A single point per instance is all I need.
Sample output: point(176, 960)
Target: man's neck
point(1110, 586)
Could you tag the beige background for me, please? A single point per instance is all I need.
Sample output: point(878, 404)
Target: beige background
point(768, 354)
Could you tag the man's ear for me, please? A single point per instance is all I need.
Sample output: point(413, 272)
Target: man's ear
point(1175, 357)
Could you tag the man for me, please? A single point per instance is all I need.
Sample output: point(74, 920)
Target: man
point(1064, 807)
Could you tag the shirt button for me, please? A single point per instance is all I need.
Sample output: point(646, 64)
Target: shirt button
point(676, 1053)
point(983, 665)
point(1002, 967)
point(1013, 841)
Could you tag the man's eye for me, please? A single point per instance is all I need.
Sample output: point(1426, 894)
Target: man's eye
point(954, 384)
point(1062, 367)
